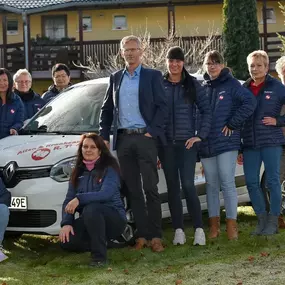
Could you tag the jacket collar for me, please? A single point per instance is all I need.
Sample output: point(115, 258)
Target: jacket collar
point(25, 96)
point(224, 75)
point(268, 79)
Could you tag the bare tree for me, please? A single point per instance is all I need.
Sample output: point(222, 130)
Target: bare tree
point(195, 48)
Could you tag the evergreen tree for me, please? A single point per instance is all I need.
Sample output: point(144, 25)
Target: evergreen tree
point(240, 34)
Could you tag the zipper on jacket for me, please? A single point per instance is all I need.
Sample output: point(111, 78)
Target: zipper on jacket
point(173, 115)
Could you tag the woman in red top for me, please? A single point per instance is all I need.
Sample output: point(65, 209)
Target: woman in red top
point(263, 140)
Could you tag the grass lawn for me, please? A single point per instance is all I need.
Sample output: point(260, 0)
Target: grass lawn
point(38, 260)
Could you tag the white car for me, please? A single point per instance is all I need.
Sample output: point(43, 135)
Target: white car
point(36, 165)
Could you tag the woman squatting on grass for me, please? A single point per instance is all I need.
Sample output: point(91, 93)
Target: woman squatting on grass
point(94, 192)
point(263, 140)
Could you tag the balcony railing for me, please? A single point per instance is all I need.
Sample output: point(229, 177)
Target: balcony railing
point(43, 57)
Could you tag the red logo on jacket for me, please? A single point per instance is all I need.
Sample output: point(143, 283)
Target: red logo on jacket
point(221, 97)
point(267, 97)
point(12, 111)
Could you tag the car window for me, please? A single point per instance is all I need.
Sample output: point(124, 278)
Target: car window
point(75, 110)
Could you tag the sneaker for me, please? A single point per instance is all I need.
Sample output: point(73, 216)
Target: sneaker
point(199, 238)
point(179, 237)
point(2, 255)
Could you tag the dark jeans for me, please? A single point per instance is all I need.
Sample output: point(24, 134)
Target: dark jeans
point(178, 164)
point(93, 228)
point(138, 160)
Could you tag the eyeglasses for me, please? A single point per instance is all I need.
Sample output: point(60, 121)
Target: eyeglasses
point(24, 82)
point(132, 50)
point(214, 64)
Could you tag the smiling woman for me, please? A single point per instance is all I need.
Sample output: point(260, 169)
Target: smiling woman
point(231, 105)
point(263, 140)
point(11, 106)
point(94, 192)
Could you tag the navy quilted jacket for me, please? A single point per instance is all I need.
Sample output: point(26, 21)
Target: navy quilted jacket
point(106, 192)
point(231, 105)
point(32, 103)
point(50, 94)
point(269, 103)
point(11, 115)
point(181, 120)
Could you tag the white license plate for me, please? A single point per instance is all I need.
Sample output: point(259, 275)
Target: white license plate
point(18, 203)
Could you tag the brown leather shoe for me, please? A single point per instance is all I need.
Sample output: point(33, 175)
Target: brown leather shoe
point(156, 245)
point(214, 227)
point(281, 222)
point(140, 244)
point(232, 231)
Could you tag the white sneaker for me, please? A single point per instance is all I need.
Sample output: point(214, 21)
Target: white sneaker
point(2, 255)
point(199, 238)
point(179, 237)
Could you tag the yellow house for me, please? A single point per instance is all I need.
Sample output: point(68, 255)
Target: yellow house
point(36, 34)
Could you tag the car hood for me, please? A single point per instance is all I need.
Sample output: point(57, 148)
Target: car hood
point(37, 150)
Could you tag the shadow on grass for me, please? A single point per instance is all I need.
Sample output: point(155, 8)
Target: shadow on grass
point(36, 250)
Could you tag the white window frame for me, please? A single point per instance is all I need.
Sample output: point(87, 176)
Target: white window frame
point(12, 33)
point(117, 28)
point(269, 20)
point(89, 29)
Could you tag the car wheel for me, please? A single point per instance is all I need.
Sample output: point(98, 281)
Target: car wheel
point(127, 238)
point(266, 192)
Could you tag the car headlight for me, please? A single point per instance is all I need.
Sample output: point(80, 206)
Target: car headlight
point(61, 171)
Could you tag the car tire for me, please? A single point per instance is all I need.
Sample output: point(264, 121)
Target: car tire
point(127, 238)
point(266, 192)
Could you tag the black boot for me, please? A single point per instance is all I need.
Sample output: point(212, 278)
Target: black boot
point(271, 226)
point(97, 264)
point(261, 224)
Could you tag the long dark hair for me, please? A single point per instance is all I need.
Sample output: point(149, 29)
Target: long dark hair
point(106, 159)
point(190, 88)
point(10, 84)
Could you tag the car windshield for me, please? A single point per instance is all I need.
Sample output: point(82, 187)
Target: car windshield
point(76, 110)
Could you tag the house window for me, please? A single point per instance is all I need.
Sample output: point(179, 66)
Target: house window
point(270, 16)
point(12, 27)
point(87, 23)
point(119, 22)
point(54, 27)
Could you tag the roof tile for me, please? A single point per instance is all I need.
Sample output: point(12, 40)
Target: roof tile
point(33, 4)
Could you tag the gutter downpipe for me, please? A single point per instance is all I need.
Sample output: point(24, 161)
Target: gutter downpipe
point(26, 40)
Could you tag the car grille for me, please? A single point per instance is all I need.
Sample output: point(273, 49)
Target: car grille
point(24, 174)
point(32, 218)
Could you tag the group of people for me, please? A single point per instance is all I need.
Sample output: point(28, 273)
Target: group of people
point(18, 100)
point(178, 120)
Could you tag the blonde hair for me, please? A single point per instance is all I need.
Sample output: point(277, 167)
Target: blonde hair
point(128, 39)
point(258, 54)
point(21, 72)
point(280, 64)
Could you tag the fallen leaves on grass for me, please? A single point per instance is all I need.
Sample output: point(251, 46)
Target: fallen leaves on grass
point(239, 283)
point(264, 254)
point(126, 271)
point(109, 269)
point(251, 258)
point(177, 282)
point(4, 283)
